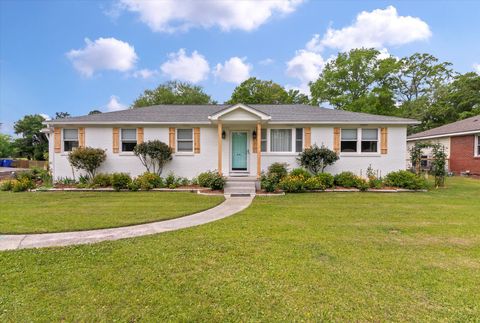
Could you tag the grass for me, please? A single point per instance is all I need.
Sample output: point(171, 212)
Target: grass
point(70, 211)
point(313, 257)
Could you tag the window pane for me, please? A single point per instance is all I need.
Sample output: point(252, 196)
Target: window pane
point(349, 134)
point(184, 134)
point(128, 146)
point(369, 146)
point(70, 134)
point(129, 134)
point(185, 146)
point(369, 134)
point(264, 134)
point(263, 140)
point(348, 146)
point(281, 140)
point(298, 140)
point(69, 145)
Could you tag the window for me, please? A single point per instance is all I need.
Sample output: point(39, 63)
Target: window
point(349, 141)
point(185, 140)
point(477, 148)
point(298, 140)
point(70, 139)
point(263, 140)
point(129, 139)
point(369, 140)
point(280, 140)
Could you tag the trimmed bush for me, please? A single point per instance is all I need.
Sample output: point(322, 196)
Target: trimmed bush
point(376, 183)
point(133, 186)
point(315, 158)
point(293, 184)
point(147, 181)
point(121, 181)
point(300, 172)
point(171, 181)
point(406, 179)
point(268, 182)
point(345, 179)
point(314, 183)
point(326, 179)
point(101, 180)
point(277, 171)
point(361, 184)
point(88, 159)
point(212, 180)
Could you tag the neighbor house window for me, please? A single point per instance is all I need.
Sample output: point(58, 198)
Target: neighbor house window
point(280, 140)
point(369, 140)
point(477, 147)
point(185, 140)
point(298, 140)
point(70, 139)
point(263, 140)
point(349, 141)
point(129, 139)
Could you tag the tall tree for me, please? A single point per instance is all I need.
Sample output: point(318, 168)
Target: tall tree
point(6, 146)
point(256, 91)
point(32, 144)
point(357, 81)
point(173, 92)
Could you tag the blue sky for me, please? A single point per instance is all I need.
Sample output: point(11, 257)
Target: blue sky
point(47, 65)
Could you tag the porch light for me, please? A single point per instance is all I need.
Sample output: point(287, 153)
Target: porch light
point(223, 134)
point(254, 134)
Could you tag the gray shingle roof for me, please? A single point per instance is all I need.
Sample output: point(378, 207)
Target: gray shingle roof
point(466, 125)
point(199, 114)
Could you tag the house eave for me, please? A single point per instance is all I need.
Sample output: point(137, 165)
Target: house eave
point(451, 134)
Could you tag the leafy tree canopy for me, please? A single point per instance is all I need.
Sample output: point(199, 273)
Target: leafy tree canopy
point(173, 92)
point(32, 144)
point(61, 115)
point(6, 146)
point(94, 112)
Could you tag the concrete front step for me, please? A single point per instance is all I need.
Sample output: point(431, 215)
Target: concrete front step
point(240, 185)
point(241, 179)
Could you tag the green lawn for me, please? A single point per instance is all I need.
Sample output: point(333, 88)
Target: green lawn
point(331, 256)
point(68, 211)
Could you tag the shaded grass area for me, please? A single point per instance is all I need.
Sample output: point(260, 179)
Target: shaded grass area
point(37, 212)
point(332, 257)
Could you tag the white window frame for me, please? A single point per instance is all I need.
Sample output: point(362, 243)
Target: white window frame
point(476, 149)
point(63, 140)
point(121, 140)
point(359, 142)
point(292, 150)
point(184, 140)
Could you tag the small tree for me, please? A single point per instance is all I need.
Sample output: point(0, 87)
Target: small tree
point(153, 154)
point(315, 158)
point(439, 164)
point(88, 159)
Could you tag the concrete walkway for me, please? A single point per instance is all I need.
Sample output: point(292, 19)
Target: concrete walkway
point(230, 206)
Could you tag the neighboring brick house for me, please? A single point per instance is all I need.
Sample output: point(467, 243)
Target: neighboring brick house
point(461, 140)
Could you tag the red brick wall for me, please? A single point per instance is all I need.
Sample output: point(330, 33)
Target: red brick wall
point(461, 155)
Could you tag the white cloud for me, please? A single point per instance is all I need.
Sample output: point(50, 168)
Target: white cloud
point(172, 15)
point(305, 66)
point(144, 73)
point(235, 70)
point(114, 104)
point(182, 67)
point(103, 54)
point(378, 28)
point(45, 116)
point(477, 68)
point(266, 61)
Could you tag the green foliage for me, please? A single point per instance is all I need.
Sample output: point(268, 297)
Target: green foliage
point(148, 180)
point(61, 115)
point(88, 159)
point(268, 182)
point(345, 179)
point(101, 180)
point(315, 158)
point(405, 179)
point(326, 179)
point(154, 155)
point(293, 183)
point(376, 183)
point(32, 144)
point(256, 91)
point(211, 179)
point(6, 185)
point(6, 146)
point(22, 185)
point(315, 183)
point(277, 171)
point(172, 181)
point(300, 172)
point(120, 181)
point(173, 92)
point(439, 165)
point(94, 112)
point(361, 184)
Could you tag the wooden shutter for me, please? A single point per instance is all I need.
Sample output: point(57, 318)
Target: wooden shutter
point(139, 135)
point(196, 140)
point(81, 137)
point(116, 141)
point(171, 138)
point(336, 140)
point(57, 139)
point(384, 140)
point(307, 143)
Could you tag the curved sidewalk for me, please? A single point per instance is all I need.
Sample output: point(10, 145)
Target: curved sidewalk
point(230, 206)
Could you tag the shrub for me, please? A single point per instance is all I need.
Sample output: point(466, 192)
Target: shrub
point(375, 183)
point(268, 182)
point(22, 185)
point(326, 179)
point(300, 172)
point(315, 158)
point(147, 181)
point(171, 181)
point(100, 180)
point(277, 171)
point(204, 179)
point(183, 181)
point(406, 179)
point(211, 179)
point(6, 185)
point(153, 154)
point(345, 179)
point(133, 186)
point(120, 181)
point(293, 183)
point(87, 159)
point(314, 183)
point(361, 184)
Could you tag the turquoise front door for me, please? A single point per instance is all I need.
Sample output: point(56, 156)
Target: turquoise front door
point(239, 151)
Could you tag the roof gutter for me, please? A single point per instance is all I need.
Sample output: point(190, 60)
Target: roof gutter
point(451, 134)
